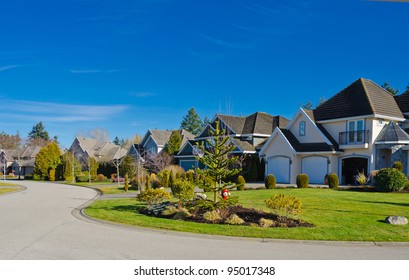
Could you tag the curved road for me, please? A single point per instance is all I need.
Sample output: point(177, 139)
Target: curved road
point(42, 222)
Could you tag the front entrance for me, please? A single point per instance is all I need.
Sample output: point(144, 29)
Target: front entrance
point(351, 167)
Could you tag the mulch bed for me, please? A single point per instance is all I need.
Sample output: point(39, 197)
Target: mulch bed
point(250, 216)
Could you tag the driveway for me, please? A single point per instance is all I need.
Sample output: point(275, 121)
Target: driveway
point(43, 222)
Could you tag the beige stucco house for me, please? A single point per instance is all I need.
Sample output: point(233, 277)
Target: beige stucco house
point(359, 129)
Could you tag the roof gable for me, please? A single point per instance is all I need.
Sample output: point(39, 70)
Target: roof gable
point(361, 98)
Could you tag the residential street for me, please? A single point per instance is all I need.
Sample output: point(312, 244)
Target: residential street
point(43, 222)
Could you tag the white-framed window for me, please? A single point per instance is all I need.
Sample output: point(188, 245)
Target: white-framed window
point(302, 128)
point(356, 131)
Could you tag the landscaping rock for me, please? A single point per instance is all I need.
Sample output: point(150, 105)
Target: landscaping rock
point(201, 196)
point(396, 220)
point(156, 209)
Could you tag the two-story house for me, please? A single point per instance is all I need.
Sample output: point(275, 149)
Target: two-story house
point(20, 161)
point(102, 151)
point(248, 135)
point(154, 141)
point(357, 130)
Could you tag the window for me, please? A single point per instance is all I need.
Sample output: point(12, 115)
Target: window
point(302, 128)
point(356, 131)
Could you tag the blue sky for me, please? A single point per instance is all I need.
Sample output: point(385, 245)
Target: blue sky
point(129, 65)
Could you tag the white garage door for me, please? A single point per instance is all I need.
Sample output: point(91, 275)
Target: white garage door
point(280, 168)
point(316, 168)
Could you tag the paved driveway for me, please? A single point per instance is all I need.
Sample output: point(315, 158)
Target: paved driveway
point(42, 222)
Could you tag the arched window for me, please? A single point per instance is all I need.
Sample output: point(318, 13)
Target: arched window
point(302, 128)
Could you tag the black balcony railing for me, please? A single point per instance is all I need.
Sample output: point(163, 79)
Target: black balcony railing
point(354, 137)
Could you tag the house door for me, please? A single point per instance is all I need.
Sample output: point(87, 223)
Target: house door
point(351, 167)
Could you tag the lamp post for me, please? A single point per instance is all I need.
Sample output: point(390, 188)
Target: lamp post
point(197, 152)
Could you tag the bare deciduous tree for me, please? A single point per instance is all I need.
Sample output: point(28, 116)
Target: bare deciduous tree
point(158, 162)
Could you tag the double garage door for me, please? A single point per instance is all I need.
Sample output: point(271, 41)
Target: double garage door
point(315, 167)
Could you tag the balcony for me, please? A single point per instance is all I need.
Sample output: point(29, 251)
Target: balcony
point(357, 139)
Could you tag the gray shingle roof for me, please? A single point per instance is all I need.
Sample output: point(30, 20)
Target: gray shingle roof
point(392, 133)
point(257, 123)
point(363, 97)
point(306, 147)
point(101, 151)
point(403, 101)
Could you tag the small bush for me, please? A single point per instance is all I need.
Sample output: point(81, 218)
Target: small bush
point(170, 211)
point(270, 181)
point(27, 176)
point(302, 181)
point(266, 223)
point(284, 205)
point(398, 165)
point(241, 182)
point(390, 180)
point(81, 179)
point(361, 179)
point(156, 183)
point(212, 216)
point(51, 174)
point(101, 178)
point(153, 196)
point(333, 181)
point(183, 190)
point(181, 214)
point(191, 176)
point(234, 220)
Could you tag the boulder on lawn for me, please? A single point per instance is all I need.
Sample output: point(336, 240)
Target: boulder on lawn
point(396, 220)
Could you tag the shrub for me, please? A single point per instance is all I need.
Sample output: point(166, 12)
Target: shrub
point(148, 182)
point(182, 214)
point(234, 220)
point(101, 177)
point(51, 174)
point(284, 205)
point(126, 187)
point(191, 176)
point(302, 181)
point(361, 179)
point(390, 180)
point(27, 176)
point(270, 181)
point(240, 183)
point(81, 179)
point(333, 181)
point(183, 190)
point(153, 196)
point(398, 165)
point(212, 216)
point(165, 179)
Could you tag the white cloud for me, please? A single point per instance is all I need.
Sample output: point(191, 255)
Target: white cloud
point(8, 67)
point(142, 94)
point(58, 112)
point(92, 71)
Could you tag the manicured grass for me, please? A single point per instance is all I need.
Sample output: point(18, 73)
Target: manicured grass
point(105, 187)
point(337, 215)
point(4, 187)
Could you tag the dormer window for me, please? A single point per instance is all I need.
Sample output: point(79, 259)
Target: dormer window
point(302, 128)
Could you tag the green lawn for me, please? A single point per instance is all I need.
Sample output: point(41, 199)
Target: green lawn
point(337, 215)
point(104, 187)
point(4, 187)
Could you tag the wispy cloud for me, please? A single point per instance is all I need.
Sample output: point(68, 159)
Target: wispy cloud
point(59, 112)
point(228, 44)
point(8, 67)
point(93, 71)
point(142, 94)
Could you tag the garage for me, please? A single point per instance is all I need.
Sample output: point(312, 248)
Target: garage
point(316, 168)
point(280, 168)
